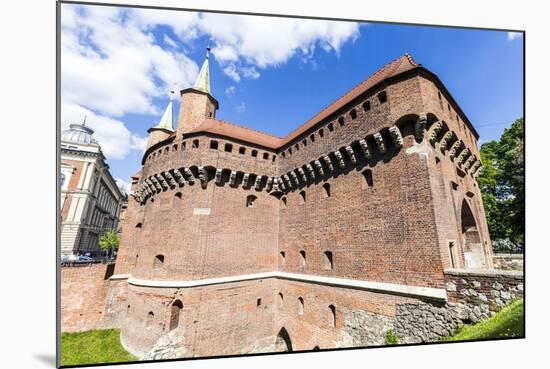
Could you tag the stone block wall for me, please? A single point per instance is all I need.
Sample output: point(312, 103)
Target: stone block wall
point(472, 296)
point(508, 261)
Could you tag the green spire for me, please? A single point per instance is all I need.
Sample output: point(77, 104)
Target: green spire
point(203, 80)
point(167, 120)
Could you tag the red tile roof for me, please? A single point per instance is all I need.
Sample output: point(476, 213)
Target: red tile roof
point(394, 68)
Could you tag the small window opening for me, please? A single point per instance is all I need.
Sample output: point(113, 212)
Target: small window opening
point(251, 201)
point(266, 156)
point(454, 185)
point(321, 133)
point(175, 311)
point(454, 254)
point(328, 260)
point(258, 302)
point(139, 225)
point(228, 148)
point(282, 254)
point(159, 260)
point(297, 146)
point(214, 145)
point(326, 188)
point(367, 175)
point(183, 144)
point(382, 97)
point(304, 142)
point(302, 259)
point(242, 150)
point(210, 114)
point(283, 154)
point(302, 197)
point(167, 149)
point(178, 195)
point(312, 138)
point(175, 147)
point(195, 144)
point(448, 107)
point(341, 121)
point(150, 318)
point(300, 306)
point(283, 202)
point(366, 106)
point(332, 316)
point(330, 127)
point(437, 161)
point(254, 153)
point(281, 298)
point(274, 158)
point(353, 114)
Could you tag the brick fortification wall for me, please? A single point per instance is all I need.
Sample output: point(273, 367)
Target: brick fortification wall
point(89, 300)
point(328, 239)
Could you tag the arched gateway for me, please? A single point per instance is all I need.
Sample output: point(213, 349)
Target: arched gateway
point(283, 342)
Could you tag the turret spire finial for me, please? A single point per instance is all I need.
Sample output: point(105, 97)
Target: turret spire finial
point(203, 80)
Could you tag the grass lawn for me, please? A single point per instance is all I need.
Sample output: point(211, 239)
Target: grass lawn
point(507, 323)
point(93, 347)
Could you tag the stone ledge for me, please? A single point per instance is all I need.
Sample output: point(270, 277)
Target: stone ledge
point(485, 272)
point(508, 256)
point(119, 276)
point(399, 289)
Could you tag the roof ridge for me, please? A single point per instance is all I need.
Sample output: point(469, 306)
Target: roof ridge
point(378, 71)
point(244, 127)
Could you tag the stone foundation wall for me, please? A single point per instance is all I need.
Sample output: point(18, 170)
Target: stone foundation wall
point(472, 296)
point(508, 261)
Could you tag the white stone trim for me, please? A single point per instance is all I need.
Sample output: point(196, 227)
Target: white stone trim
point(400, 289)
point(119, 276)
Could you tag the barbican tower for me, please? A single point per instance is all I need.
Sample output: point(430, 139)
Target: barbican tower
point(236, 241)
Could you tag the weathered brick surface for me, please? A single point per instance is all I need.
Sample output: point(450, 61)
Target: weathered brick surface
point(396, 229)
point(89, 300)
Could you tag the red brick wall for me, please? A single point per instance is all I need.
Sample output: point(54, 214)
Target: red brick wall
point(87, 298)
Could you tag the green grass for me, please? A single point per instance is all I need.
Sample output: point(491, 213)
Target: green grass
point(93, 347)
point(507, 323)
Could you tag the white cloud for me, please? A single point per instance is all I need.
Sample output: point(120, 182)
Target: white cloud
point(115, 139)
point(230, 91)
point(241, 108)
point(114, 67)
point(112, 63)
point(123, 184)
point(250, 72)
point(231, 72)
point(513, 35)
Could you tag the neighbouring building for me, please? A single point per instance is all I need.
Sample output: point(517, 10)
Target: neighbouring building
point(90, 198)
point(364, 219)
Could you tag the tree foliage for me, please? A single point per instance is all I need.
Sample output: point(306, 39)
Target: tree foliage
point(109, 241)
point(502, 186)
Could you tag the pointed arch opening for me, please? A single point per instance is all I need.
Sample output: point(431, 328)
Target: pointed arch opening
point(474, 253)
point(283, 342)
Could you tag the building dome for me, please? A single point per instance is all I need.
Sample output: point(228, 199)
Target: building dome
point(80, 134)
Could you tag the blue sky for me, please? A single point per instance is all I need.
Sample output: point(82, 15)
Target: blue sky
point(118, 66)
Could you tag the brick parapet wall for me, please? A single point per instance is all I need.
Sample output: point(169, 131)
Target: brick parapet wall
point(89, 300)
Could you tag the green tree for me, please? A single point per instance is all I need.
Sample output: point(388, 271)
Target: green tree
point(109, 241)
point(502, 186)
